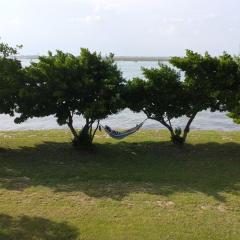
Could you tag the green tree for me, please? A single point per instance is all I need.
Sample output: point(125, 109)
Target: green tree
point(10, 77)
point(163, 95)
point(215, 81)
point(231, 92)
point(65, 85)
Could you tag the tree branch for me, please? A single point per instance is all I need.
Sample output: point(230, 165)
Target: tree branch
point(169, 121)
point(163, 122)
point(95, 130)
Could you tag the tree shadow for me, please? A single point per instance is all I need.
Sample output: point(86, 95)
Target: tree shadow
point(33, 228)
point(117, 170)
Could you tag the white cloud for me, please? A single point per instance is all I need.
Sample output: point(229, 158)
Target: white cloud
point(234, 29)
point(168, 30)
point(173, 20)
point(108, 6)
point(196, 32)
point(86, 19)
point(164, 30)
point(203, 18)
point(15, 21)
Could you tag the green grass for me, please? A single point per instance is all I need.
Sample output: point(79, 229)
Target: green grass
point(141, 188)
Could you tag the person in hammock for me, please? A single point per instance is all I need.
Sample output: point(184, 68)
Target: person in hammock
point(110, 130)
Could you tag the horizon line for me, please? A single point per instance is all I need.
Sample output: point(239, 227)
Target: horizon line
point(116, 58)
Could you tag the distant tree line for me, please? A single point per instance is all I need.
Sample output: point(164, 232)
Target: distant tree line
point(93, 87)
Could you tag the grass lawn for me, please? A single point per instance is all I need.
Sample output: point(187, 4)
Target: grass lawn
point(140, 188)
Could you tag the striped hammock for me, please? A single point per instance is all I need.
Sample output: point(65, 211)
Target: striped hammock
point(120, 135)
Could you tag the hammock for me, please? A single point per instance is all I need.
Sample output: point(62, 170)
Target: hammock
point(120, 135)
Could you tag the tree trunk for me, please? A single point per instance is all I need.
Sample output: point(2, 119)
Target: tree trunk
point(187, 128)
point(95, 130)
point(85, 137)
point(70, 125)
point(176, 138)
point(74, 133)
point(164, 123)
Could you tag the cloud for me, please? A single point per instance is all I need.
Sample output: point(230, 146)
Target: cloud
point(234, 29)
point(86, 19)
point(202, 18)
point(173, 20)
point(167, 30)
point(107, 6)
point(15, 21)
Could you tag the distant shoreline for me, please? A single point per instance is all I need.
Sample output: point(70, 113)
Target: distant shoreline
point(116, 58)
point(141, 58)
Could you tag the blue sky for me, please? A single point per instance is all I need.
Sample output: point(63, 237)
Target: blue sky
point(124, 27)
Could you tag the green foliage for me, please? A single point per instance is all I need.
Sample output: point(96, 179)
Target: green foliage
point(208, 83)
point(233, 99)
point(162, 96)
point(220, 77)
point(211, 80)
point(156, 93)
point(65, 85)
point(235, 115)
point(6, 50)
point(10, 77)
point(176, 137)
point(91, 86)
point(197, 71)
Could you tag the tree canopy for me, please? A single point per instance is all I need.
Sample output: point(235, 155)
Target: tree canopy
point(65, 85)
point(218, 77)
point(161, 96)
point(232, 97)
point(164, 95)
point(10, 77)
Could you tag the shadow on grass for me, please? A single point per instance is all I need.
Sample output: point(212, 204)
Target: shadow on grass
point(27, 228)
point(117, 170)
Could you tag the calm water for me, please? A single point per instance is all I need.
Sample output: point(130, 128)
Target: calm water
point(125, 119)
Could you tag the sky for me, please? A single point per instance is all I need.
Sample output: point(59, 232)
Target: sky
point(123, 27)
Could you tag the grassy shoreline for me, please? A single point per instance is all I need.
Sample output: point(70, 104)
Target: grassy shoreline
point(139, 188)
